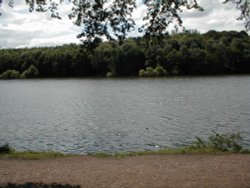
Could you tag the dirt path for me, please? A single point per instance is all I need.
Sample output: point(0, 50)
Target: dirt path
point(140, 171)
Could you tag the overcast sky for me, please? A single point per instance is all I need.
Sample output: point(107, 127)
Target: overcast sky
point(19, 28)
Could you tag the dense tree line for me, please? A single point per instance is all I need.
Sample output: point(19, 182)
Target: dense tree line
point(187, 53)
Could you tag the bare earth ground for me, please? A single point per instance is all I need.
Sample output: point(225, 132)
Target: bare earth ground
point(139, 171)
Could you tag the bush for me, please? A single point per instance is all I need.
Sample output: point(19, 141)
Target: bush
point(142, 73)
point(161, 71)
point(221, 142)
point(151, 72)
point(10, 74)
point(110, 74)
point(31, 72)
point(5, 149)
point(226, 142)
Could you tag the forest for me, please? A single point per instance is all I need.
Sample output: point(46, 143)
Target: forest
point(185, 53)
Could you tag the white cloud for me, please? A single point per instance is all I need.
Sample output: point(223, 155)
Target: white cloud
point(216, 16)
point(19, 28)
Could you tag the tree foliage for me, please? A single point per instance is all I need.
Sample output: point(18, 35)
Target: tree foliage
point(31, 72)
point(244, 7)
point(113, 18)
point(10, 74)
point(186, 53)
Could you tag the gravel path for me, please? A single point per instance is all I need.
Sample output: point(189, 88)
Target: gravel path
point(139, 171)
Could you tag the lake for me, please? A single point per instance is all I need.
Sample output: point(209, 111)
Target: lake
point(118, 115)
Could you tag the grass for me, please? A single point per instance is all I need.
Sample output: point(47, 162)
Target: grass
point(7, 152)
point(186, 150)
point(216, 144)
point(170, 151)
point(32, 155)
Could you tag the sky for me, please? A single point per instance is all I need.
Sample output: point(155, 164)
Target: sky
point(19, 28)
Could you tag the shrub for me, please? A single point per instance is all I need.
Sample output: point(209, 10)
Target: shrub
point(161, 71)
point(151, 72)
point(31, 72)
point(221, 142)
point(226, 142)
point(10, 74)
point(110, 74)
point(142, 73)
point(5, 149)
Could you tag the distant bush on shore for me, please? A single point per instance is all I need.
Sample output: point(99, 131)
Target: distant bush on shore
point(153, 72)
point(31, 72)
point(10, 74)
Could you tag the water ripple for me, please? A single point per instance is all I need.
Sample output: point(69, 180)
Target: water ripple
point(97, 115)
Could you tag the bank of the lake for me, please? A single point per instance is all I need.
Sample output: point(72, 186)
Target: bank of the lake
point(216, 144)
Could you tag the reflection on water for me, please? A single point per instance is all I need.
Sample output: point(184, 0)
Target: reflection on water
point(94, 115)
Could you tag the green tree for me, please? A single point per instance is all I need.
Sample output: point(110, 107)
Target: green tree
point(173, 60)
point(10, 74)
point(179, 53)
point(81, 63)
point(103, 58)
point(131, 59)
point(31, 72)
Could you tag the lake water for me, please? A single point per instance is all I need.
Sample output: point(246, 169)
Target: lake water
point(117, 115)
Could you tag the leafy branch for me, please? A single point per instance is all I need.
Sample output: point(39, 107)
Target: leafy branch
point(113, 18)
